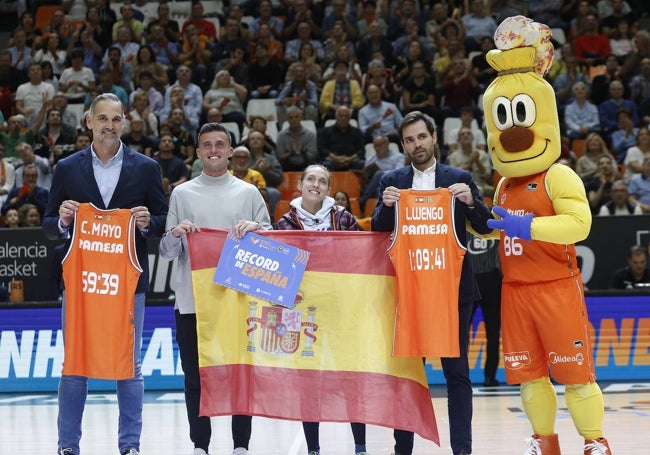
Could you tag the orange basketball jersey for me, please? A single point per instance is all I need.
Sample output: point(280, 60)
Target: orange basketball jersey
point(428, 260)
point(534, 261)
point(100, 273)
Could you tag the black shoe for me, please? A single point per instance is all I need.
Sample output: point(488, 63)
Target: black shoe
point(491, 382)
point(65, 451)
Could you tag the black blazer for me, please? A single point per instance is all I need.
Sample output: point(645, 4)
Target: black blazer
point(139, 183)
point(383, 218)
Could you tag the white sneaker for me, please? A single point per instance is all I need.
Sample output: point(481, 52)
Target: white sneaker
point(597, 447)
point(199, 451)
point(532, 446)
point(240, 451)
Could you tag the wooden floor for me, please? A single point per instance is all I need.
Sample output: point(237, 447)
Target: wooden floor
point(28, 425)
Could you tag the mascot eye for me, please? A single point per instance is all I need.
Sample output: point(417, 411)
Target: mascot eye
point(502, 113)
point(524, 111)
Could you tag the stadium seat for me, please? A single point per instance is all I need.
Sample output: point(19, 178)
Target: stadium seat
point(288, 186)
point(345, 181)
point(558, 35)
point(450, 124)
point(578, 147)
point(355, 208)
point(233, 128)
point(281, 207)
point(262, 108)
point(43, 15)
point(370, 206)
point(78, 110)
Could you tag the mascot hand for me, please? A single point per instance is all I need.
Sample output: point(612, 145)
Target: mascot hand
point(514, 225)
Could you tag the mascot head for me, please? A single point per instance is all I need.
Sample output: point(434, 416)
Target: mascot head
point(520, 110)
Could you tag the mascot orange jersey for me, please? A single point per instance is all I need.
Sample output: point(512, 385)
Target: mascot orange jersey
point(543, 210)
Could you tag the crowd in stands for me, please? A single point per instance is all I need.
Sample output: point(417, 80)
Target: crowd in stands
point(339, 76)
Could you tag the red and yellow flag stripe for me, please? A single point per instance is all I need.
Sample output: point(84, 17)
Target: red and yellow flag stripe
point(328, 358)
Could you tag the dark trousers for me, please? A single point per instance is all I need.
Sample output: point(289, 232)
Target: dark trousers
point(200, 427)
point(459, 395)
point(490, 285)
point(312, 436)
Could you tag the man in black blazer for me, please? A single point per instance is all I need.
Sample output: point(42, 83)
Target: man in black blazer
point(418, 135)
point(109, 175)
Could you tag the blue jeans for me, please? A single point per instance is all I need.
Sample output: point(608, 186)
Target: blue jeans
point(73, 391)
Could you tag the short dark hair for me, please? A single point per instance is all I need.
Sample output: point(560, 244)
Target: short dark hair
point(416, 116)
point(212, 127)
point(166, 133)
point(637, 249)
point(146, 73)
point(623, 110)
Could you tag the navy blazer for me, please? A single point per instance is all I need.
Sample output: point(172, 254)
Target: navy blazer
point(139, 183)
point(383, 218)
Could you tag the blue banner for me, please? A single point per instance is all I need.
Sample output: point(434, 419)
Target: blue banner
point(31, 346)
point(262, 267)
point(620, 335)
point(31, 350)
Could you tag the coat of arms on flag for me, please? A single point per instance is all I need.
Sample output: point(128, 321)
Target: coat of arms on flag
point(279, 329)
point(333, 347)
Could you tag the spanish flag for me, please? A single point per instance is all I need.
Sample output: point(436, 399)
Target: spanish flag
point(327, 359)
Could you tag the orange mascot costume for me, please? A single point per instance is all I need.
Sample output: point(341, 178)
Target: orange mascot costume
point(541, 210)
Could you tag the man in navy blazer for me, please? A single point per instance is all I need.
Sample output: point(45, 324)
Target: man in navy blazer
point(109, 175)
point(418, 135)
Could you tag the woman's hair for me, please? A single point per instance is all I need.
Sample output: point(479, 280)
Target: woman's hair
point(23, 211)
point(316, 166)
point(141, 95)
point(91, 7)
point(601, 141)
point(347, 198)
point(46, 41)
point(215, 81)
point(306, 44)
point(642, 129)
point(47, 64)
point(24, 14)
point(152, 56)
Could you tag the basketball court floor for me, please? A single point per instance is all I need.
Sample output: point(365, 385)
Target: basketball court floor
point(28, 425)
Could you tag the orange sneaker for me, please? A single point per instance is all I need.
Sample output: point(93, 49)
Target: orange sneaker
point(598, 446)
point(543, 445)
